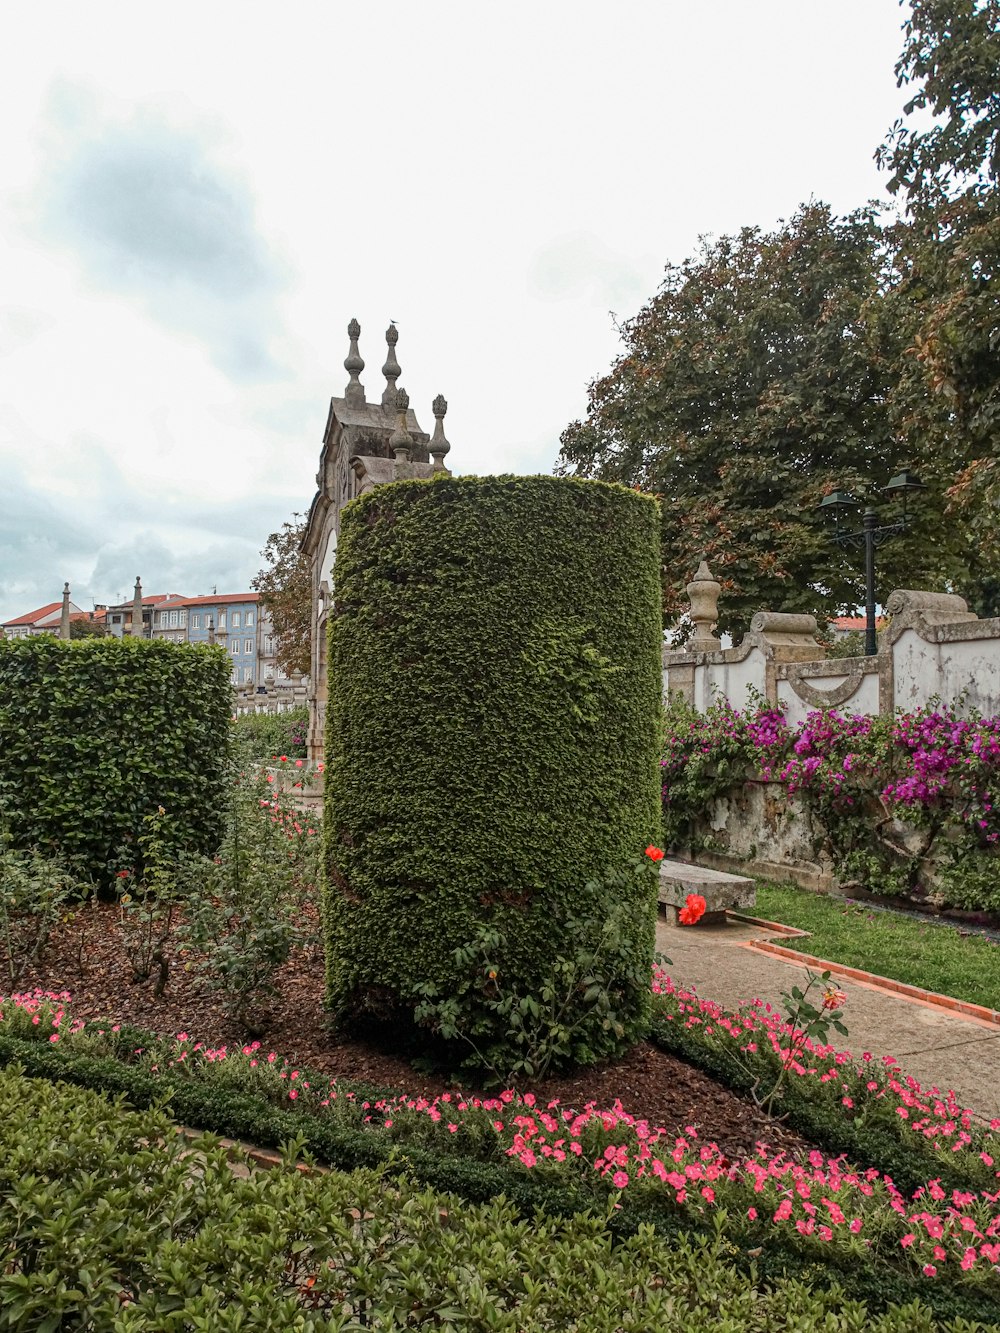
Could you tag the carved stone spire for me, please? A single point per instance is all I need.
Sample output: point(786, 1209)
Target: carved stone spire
point(439, 443)
point(354, 394)
point(136, 627)
point(401, 441)
point(64, 616)
point(391, 369)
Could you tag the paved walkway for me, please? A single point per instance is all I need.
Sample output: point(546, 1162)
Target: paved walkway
point(937, 1047)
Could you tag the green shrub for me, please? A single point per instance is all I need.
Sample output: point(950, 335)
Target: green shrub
point(98, 733)
point(492, 728)
point(264, 736)
point(246, 917)
point(110, 1220)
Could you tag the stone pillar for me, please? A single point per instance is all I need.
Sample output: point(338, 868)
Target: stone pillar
point(64, 617)
point(136, 626)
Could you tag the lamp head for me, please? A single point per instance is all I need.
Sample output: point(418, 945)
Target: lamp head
point(837, 500)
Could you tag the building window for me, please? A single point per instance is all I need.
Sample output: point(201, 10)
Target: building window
point(248, 620)
point(195, 621)
point(236, 675)
point(236, 620)
point(247, 675)
point(163, 617)
point(182, 617)
point(268, 645)
point(248, 645)
point(234, 647)
point(222, 620)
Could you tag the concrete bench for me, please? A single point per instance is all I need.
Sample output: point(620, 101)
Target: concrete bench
point(721, 892)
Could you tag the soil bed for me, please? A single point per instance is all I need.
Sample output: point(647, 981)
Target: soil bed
point(85, 957)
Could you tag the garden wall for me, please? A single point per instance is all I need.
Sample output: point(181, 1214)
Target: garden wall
point(758, 829)
point(933, 647)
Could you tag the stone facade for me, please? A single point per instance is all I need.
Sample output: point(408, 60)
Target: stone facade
point(365, 444)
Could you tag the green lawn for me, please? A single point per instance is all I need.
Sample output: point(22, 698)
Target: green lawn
point(938, 958)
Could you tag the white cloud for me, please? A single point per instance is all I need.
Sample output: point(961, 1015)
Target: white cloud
point(197, 199)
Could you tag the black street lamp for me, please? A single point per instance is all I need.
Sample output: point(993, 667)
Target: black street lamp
point(872, 534)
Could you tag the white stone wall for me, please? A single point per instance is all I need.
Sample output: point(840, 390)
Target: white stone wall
point(923, 655)
point(953, 668)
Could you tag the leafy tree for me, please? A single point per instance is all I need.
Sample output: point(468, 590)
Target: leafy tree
point(285, 589)
point(947, 395)
point(87, 629)
point(751, 383)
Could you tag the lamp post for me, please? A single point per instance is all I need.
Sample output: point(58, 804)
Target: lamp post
point(872, 534)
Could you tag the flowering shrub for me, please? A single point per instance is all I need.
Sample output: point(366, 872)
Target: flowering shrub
point(891, 794)
point(105, 1225)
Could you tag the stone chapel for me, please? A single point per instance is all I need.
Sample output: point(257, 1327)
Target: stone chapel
point(365, 444)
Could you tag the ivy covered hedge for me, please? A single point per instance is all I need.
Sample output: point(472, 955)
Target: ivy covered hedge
point(494, 701)
point(98, 733)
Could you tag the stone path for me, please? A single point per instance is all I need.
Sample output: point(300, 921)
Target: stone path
point(937, 1047)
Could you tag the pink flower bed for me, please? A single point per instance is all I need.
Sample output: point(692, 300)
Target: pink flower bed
point(819, 1203)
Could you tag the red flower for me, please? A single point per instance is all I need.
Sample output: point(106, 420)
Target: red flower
point(693, 909)
point(654, 853)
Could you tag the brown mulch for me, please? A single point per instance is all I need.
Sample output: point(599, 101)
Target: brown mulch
point(85, 957)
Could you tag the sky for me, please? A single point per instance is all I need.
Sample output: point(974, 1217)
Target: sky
point(196, 199)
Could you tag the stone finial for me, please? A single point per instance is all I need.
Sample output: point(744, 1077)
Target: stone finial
point(401, 441)
point(354, 394)
point(391, 369)
point(439, 444)
point(136, 626)
point(64, 616)
point(211, 631)
point(703, 595)
point(907, 606)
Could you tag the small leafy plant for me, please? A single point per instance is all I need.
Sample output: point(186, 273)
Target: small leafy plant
point(149, 899)
point(245, 923)
point(546, 1028)
point(34, 892)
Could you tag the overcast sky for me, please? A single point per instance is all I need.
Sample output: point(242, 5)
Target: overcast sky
point(195, 199)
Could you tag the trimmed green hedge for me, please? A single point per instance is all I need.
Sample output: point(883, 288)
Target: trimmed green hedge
point(108, 1219)
point(95, 734)
point(494, 701)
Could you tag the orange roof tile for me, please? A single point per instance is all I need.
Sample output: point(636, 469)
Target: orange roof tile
point(34, 616)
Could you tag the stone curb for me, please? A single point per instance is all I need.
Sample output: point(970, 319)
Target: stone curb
point(263, 1157)
point(792, 931)
point(976, 1013)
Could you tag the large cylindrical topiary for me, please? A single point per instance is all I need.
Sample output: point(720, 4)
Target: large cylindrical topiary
point(492, 743)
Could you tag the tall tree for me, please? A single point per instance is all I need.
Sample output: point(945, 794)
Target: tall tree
point(945, 168)
point(285, 588)
point(754, 381)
